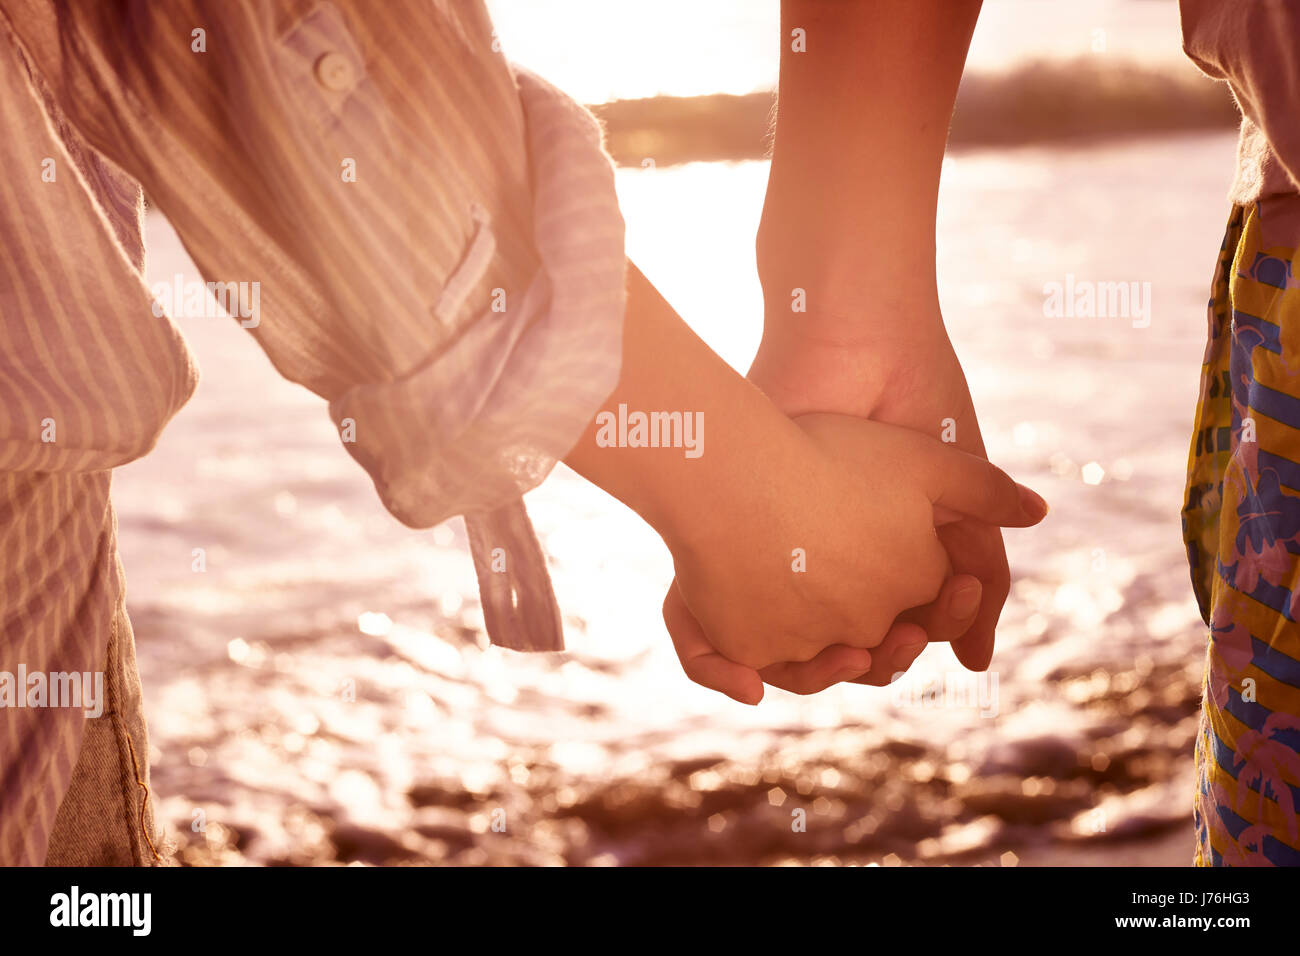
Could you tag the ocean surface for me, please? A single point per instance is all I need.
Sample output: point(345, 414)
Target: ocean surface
point(323, 691)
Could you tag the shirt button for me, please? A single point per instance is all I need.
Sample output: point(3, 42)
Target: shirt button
point(334, 72)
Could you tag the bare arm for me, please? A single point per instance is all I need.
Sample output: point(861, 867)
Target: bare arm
point(850, 221)
point(862, 124)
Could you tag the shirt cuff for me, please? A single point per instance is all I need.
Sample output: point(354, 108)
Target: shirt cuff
point(485, 419)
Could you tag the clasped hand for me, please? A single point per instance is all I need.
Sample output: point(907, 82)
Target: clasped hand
point(808, 592)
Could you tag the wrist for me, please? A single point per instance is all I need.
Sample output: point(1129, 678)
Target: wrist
point(854, 313)
point(848, 370)
point(848, 236)
point(742, 478)
point(842, 290)
point(689, 491)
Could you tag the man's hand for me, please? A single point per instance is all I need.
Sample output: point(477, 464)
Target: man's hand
point(915, 381)
point(848, 231)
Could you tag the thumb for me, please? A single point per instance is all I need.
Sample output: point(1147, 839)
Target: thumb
point(965, 485)
point(702, 664)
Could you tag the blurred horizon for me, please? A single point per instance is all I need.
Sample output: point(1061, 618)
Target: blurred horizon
point(1038, 71)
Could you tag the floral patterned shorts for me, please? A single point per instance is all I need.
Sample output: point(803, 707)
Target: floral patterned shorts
point(1241, 524)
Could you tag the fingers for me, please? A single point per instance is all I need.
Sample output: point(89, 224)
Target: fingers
point(967, 484)
point(700, 661)
point(836, 663)
point(952, 613)
point(901, 646)
point(965, 613)
point(976, 549)
point(840, 662)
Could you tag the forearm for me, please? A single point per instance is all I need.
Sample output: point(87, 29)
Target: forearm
point(667, 368)
point(862, 122)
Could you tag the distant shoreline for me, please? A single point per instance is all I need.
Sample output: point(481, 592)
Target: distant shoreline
point(1040, 102)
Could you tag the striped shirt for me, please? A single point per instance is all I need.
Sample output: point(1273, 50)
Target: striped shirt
point(437, 252)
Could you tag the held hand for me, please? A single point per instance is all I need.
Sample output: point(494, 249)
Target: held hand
point(861, 510)
point(839, 662)
point(910, 377)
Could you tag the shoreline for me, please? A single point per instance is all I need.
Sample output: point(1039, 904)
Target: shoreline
point(1036, 103)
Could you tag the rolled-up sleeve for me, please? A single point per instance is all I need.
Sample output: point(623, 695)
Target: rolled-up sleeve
point(434, 237)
